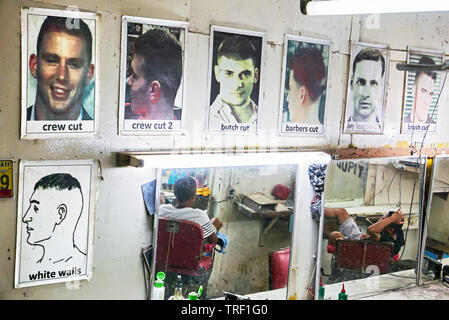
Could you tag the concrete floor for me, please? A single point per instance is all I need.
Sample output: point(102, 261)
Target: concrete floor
point(430, 291)
point(244, 268)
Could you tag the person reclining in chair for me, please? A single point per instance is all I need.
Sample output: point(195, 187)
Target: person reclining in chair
point(389, 228)
point(185, 193)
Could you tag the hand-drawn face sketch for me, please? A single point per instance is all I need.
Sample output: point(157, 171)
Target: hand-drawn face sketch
point(420, 110)
point(58, 73)
point(365, 102)
point(54, 223)
point(55, 209)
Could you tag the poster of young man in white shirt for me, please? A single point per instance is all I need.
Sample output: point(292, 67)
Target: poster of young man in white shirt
point(55, 216)
point(235, 74)
point(151, 81)
point(420, 109)
point(59, 78)
point(304, 84)
point(367, 84)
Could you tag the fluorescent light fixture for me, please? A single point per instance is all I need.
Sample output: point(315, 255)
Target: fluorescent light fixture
point(348, 7)
point(423, 67)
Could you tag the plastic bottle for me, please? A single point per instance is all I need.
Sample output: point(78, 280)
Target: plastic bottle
point(321, 290)
point(178, 289)
point(159, 289)
point(193, 296)
point(342, 295)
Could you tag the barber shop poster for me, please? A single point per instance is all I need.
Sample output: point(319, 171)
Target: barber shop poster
point(152, 97)
point(55, 216)
point(235, 74)
point(367, 88)
point(304, 86)
point(422, 88)
point(59, 74)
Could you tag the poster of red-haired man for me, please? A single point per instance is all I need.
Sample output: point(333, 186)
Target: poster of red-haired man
point(304, 86)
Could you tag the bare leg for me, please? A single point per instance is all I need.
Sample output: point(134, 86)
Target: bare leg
point(334, 236)
point(340, 213)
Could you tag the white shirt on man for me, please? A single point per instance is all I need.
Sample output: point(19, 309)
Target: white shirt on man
point(221, 113)
point(189, 214)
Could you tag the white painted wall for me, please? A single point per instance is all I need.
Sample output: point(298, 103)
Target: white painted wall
point(122, 225)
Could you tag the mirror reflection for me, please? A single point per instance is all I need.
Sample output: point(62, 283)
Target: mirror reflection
point(371, 226)
point(436, 250)
point(226, 230)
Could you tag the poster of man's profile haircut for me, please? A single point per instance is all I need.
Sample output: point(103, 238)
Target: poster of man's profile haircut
point(421, 93)
point(367, 88)
point(152, 95)
point(60, 89)
point(55, 221)
point(304, 86)
point(234, 96)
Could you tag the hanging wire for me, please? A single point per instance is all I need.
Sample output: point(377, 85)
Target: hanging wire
point(433, 111)
point(387, 185)
point(171, 243)
point(409, 216)
point(312, 276)
point(226, 224)
point(419, 162)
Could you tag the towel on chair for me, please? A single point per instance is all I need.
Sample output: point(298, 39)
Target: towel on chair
point(222, 242)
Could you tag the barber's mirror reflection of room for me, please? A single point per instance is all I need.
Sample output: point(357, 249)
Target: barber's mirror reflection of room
point(436, 250)
point(370, 230)
point(244, 216)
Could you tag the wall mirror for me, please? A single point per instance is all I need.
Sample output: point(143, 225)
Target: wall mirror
point(255, 198)
point(366, 245)
point(436, 231)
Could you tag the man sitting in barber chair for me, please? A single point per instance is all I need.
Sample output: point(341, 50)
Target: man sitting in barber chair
point(185, 193)
point(387, 229)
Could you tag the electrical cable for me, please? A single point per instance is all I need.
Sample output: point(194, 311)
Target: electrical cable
point(312, 276)
point(228, 209)
point(389, 186)
point(419, 161)
point(400, 193)
point(409, 216)
point(415, 178)
point(433, 111)
point(399, 276)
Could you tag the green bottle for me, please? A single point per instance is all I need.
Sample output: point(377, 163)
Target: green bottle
point(159, 290)
point(321, 291)
point(193, 296)
point(200, 291)
point(342, 295)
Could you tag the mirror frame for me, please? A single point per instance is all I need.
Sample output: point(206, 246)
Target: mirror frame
point(427, 215)
point(421, 189)
point(235, 160)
